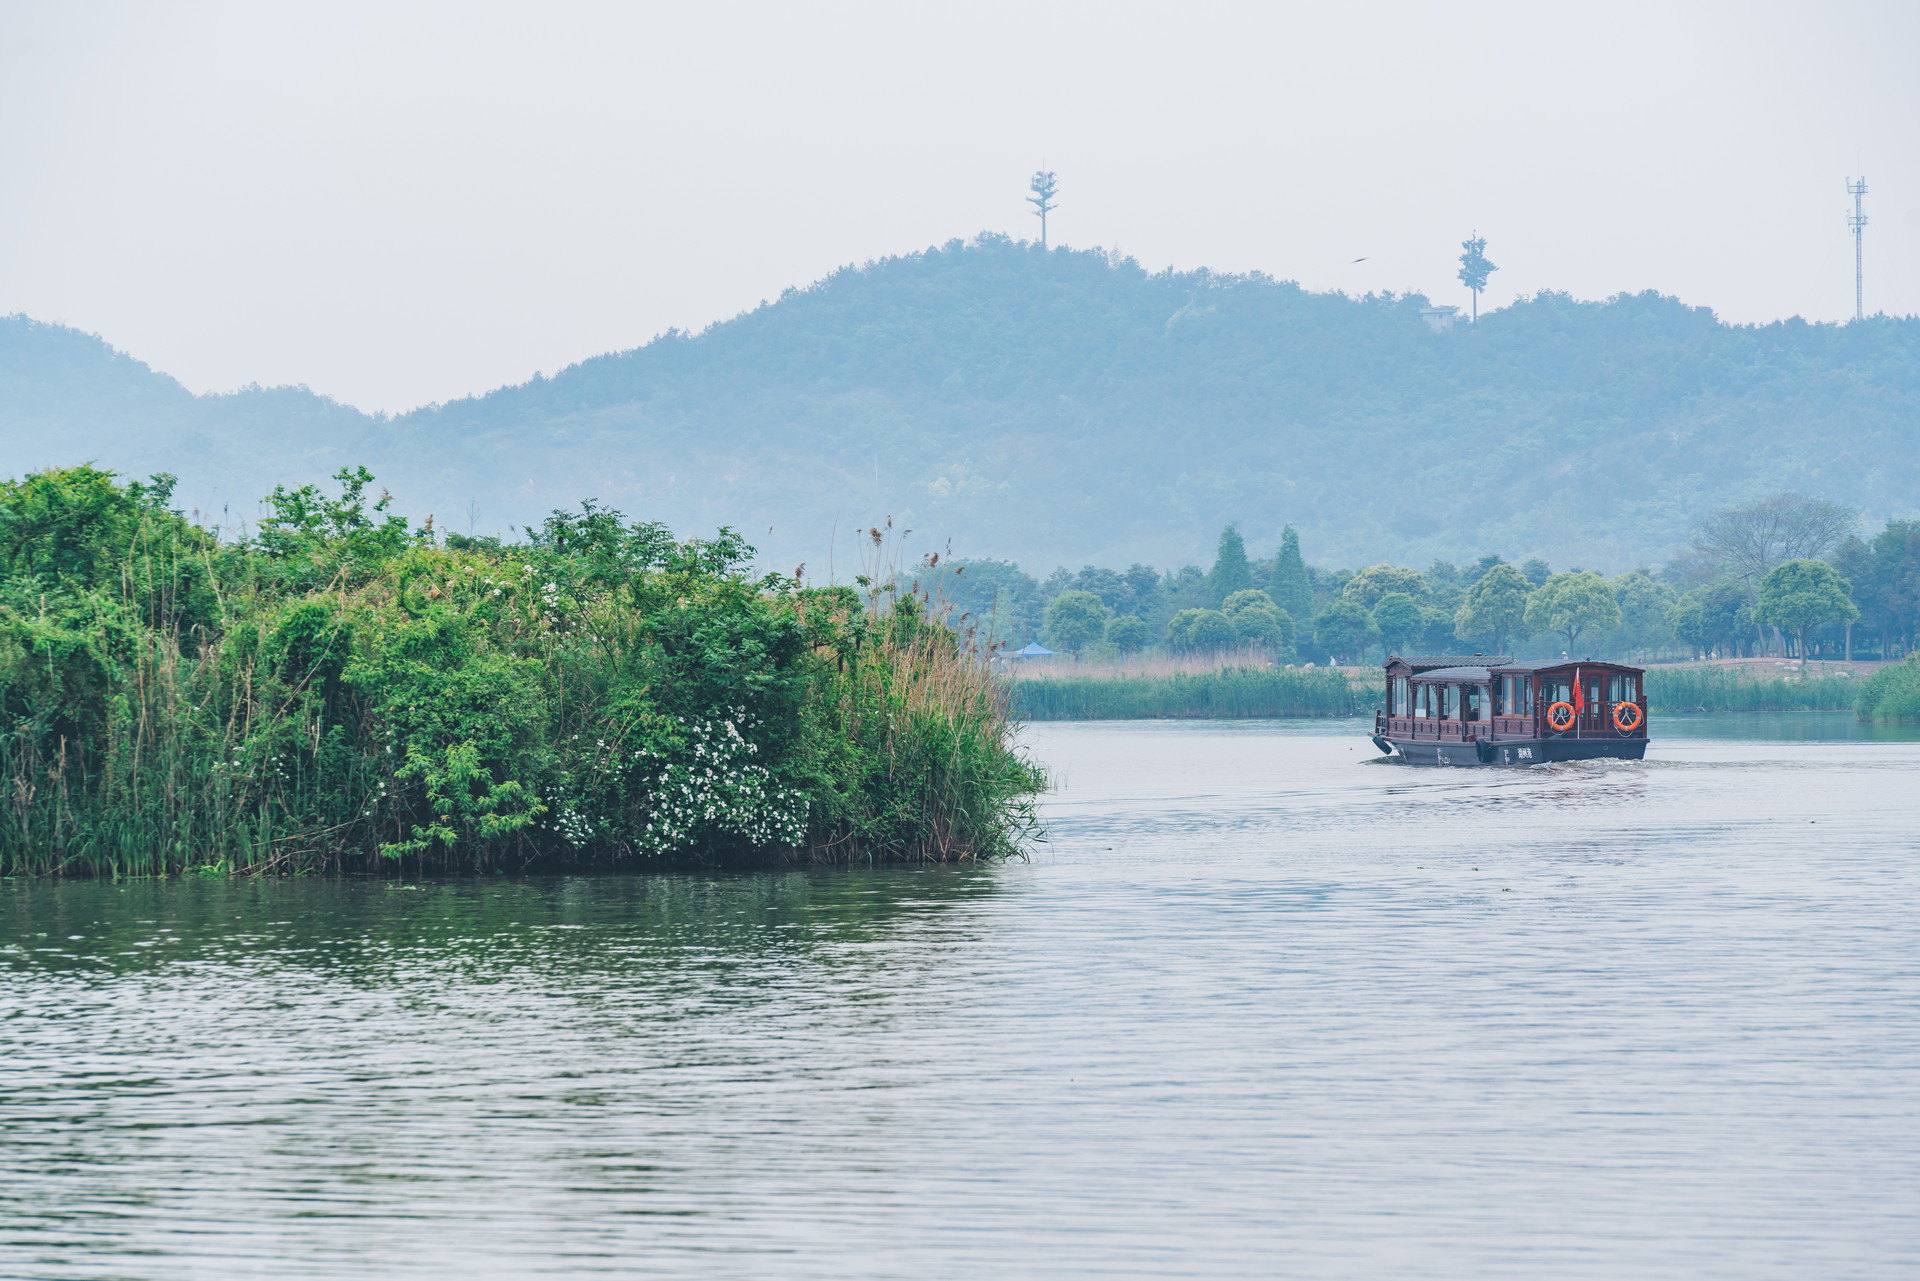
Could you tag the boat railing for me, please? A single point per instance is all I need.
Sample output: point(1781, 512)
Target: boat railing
point(1596, 721)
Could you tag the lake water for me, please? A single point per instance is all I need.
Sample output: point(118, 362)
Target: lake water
point(1260, 1007)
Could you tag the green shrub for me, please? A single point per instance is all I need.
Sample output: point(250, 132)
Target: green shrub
point(1201, 631)
point(1127, 633)
point(1892, 694)
point(344, 693)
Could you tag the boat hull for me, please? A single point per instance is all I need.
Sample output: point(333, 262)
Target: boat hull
point(1523, 751)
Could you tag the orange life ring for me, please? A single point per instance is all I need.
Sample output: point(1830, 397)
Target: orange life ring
point(1561, 716)
point(1626, 717)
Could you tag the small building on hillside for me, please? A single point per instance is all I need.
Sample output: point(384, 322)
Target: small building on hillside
point(1439, 319)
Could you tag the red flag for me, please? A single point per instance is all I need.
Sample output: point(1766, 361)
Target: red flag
point(1579, 702)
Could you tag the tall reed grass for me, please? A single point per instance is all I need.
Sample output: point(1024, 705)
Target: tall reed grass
point(1229, 692)
point(1711, 689)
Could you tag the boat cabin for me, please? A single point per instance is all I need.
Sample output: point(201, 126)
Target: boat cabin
point(1454, 709)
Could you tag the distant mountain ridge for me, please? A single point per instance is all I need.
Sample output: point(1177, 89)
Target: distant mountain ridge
point(1068, 407)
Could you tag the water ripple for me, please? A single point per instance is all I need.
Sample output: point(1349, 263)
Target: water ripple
point(1254, 1009)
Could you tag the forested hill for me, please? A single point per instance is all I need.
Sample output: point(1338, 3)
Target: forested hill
point(67, 397)
point(1067, 407)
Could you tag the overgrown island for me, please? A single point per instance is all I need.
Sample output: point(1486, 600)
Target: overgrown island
point(344, 691)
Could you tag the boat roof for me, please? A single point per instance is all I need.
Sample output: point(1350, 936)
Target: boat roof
point(1454, 660)
point(1456, 674)
point(1509, 667)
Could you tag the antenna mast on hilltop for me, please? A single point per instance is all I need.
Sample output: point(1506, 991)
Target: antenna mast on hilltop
point(1042, 200)
point(1858, 221)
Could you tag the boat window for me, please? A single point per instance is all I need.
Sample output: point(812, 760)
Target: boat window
point(1419, 700)
point(1613, 689)
point(1399, 696)
point(1526, 693)
point(1503, 696)
point(1472, 709)
point(1630, 686)
point(1450, 702)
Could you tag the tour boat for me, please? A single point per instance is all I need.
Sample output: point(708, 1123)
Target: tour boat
point(1480, 710)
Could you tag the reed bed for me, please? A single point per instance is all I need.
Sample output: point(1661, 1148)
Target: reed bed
point(1711, 689)
point(1224, 693)
point(1136, 666)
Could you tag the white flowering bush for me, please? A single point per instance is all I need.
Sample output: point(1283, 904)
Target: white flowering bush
point(701, 787)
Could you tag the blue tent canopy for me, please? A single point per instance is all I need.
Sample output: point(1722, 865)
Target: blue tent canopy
point(1033, 650)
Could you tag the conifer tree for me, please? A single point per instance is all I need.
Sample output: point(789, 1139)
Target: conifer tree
point(1231, 573)
point(1290, 587)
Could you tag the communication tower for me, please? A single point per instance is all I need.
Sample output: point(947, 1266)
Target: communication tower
point(1043, 186)
point(1858, 221)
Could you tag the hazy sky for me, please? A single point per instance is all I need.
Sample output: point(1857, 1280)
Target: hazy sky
point(397, 205)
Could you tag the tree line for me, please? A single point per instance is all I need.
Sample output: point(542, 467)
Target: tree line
point(1787, 576)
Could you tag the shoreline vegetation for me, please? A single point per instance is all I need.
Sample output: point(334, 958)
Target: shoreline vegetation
point(342, 691)
point(1235, 692)
point(1248, 690)
point(1892, 694)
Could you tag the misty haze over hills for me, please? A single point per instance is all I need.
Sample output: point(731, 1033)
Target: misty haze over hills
point(1070, 407)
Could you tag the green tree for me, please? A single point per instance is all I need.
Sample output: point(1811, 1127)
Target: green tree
point(1240, 601)
point(1885, 574)
point(1711, 617)
point(1290, 586)
point(1127, 633)
point(1076, 620)
point(1257, 622)
point(1688, 621)
point(1801, 595)
point(1495, 609)
point(1571, 604)
point(1436, 631)
point(1644, 603)
point(1201, 631)
point(1230, 572)
point(1748, 542)
point(1367, 587)
point(1480, 568)
point(1343, 628)
point(1147, 592)
point(1446, 588)
point(1536, 572)
point(1474, 268)
point(1398, 618)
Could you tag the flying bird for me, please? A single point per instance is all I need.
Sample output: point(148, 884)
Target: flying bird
point(1357, 260)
